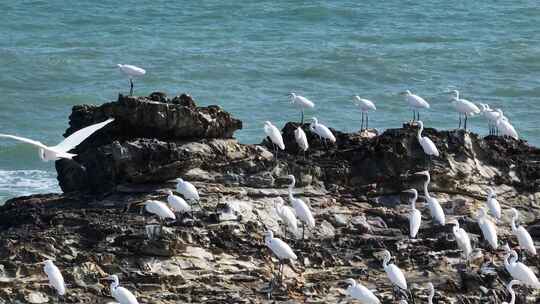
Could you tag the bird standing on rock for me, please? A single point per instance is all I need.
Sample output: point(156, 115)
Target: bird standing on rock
point(177, 203)
point(188, 191)
point(56, 280)
point(281, 250)
point(301, 208)
point(415, 102)
point(322, 131)
point(365, 106)
point(119, 293)
point(462, 239)
point(493, 204)
point(518, 270)
point(302, 102)
point(287, 216)
point(275, 137)
point(415, 217)
point(131, 71)
point(463, 107)
point(301, 139)
point(394, 274)
point(524, 238)
point(488, 228)
point(360, 292)
point(435, 208)
point(505, 127)
point(427, 145)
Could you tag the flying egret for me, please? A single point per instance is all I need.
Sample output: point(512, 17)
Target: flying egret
point(395, 275)
point(302, 102)
point(427, 145)
point(415, 217)
point(511, 291)
point(119, 293)
point(488, 228)
point(365, 106)
point(431, 292)
point(462, 239)
point(415, 102)
point(435, 208)
point(275, 137)
point(280, 249)
point(524, 238)
point(518, 270)
point(463, 107)
point(47, 153)
point(491, 116)
point(322, 131)
point(287, 215)
point(301, 208)
point(360, 292)
point(56, 280)
point(177, 203)
point(505, 127)
point(493, 204)
point(131, 71)
point(301, 139)
point(188, 191)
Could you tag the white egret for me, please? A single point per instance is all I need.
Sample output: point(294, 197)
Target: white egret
point(280, 249)
point(511, 291)
point(56, 280)
point(301, 208)
point(322, 130)
point(360, 292)
point(491, 116)
point(415, 102)
point(160, 209)
point(427, 145)
point(301, 139)
point(188, 191)
point(131, 71)
point(395, 275)
point(462, 239)
point(177, 203)
point(275, 136)
point(435, 208)
point(431, 292)
point(505, 127)
point(365, 106)
point(488, 228)
point(287, 215)
point(518, 270)
point(119, 293)
point(524, 238)
point(493, 204)
point(415, 217)
point(47, 153)
point(463, 107)
point(302, 102)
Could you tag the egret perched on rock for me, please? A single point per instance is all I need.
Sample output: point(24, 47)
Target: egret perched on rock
point(415, 217)
point(119, 293)
point(301, 139)
point(300, 207)
point(131, 71)
point(322, 130)
point(488, 228)
point(493, 204)
point(435, 208)
point(280, 249)
point(524, 238)
point(160, 209)
point(177, 203)
point(365, 106)
point(505, 127)
point(462, 239)
point(287, 215)
point(431, 292)
point(518, 270)
point(360, 292)
point(491, 116)
point(56, 280)
point(47, 153)
point(302, 102)
point(395, 275)
point(187, 190)
point(463, 107)
point(415, 102)
point(427, 145)
point(275, 136)
point(511, 291)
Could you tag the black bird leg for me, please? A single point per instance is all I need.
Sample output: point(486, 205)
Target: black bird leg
point(131, 87)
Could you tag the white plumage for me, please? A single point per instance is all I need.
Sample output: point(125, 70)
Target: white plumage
point(395, 275)
point(435, 208)
point(287, 215)
point(160, 209)
point(321, 130)
point(187, 190)
point(47, 153)
point(360, 292)
point(415, 217)
point(121, 294)
point(55, 277)
point(279, 248)
point(301, 139)
point(177, 203)
point(365, 106)
point(493, 204)
point(488, 228)
point(131, 71)
point(427, 145)
point(415, 102)
point(462, 239)
point(431, 292)
point(518, 270)
point(524, 238)
point(505, 127)
point(274, 134)
point(302, 102)
point(464, 107)
point(491, 116)
point(511, 291)
point(300, 207)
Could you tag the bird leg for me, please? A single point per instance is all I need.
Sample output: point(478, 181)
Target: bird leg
point(367, 121)
point(362, 124)
point(413, 116)
point(465, 122)
point(131, 87)
point(459, 114)
point(303, 230)
point(418, 114)
point(302, 120)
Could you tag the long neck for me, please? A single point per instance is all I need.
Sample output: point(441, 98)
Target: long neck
point(385, 261)
point(506, 263)
point(514, 219)
point(426, 193)
point(512, 295)
point(431, 295)
point(114, 285)
point(291, 196)
point(419, 135)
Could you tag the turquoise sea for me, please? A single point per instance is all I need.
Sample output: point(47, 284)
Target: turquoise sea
point(247, 55)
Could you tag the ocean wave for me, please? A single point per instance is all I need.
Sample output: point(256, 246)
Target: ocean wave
point(15, 183)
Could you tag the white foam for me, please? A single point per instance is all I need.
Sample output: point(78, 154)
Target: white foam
point(26, 182)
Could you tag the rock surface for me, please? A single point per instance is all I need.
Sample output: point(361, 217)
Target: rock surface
point(353, 188)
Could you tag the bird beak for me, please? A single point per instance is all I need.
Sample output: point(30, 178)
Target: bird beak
point(408, 191)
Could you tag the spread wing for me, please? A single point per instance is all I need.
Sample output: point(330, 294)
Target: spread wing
point(78, 137)
point(25, 140)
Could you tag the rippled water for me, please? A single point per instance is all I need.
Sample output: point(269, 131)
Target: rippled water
point(247, 56)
